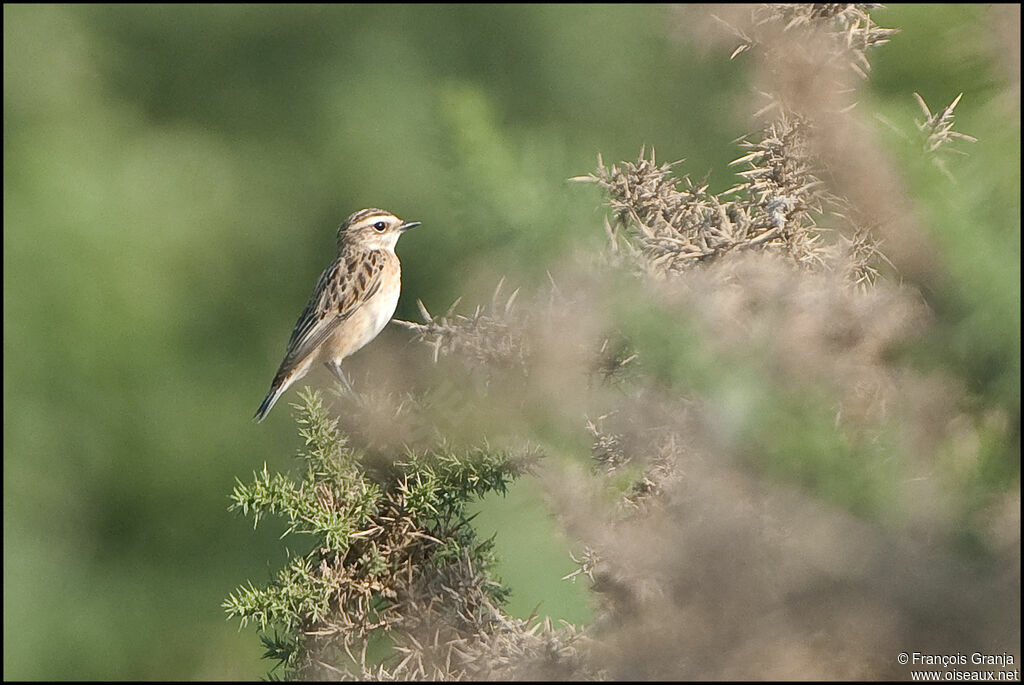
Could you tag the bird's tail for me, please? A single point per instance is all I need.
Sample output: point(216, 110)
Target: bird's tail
point(283, 379)
point(276, 390)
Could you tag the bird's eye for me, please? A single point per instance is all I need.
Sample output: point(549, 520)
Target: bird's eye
point(380, 226)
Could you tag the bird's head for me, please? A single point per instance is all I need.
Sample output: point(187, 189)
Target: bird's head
point(373, 229)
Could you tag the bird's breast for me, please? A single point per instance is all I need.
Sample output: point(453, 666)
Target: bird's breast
point(368, 320)
point(382, 306)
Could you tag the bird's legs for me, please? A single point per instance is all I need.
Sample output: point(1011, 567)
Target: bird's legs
point(335, 368)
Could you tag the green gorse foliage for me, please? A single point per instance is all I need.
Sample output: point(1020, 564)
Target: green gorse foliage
point(385, 546)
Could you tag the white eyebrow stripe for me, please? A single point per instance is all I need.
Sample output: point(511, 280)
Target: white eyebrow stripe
point(368, 213)
point(372, 218)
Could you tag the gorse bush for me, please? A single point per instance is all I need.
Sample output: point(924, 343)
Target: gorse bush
point(757, 481)
point(392, 551)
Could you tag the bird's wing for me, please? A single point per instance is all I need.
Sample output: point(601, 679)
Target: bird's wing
point(343, 287)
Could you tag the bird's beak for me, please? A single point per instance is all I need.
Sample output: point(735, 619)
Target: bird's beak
point(407, 225)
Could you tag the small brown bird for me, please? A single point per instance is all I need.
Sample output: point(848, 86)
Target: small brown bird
point(351, 303)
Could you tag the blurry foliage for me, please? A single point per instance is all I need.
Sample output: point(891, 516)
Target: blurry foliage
point(173, 176)
point(768, 358)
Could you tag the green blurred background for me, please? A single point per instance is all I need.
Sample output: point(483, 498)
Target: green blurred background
point(173, 179)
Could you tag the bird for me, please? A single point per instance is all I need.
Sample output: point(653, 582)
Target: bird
point(353, 300)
